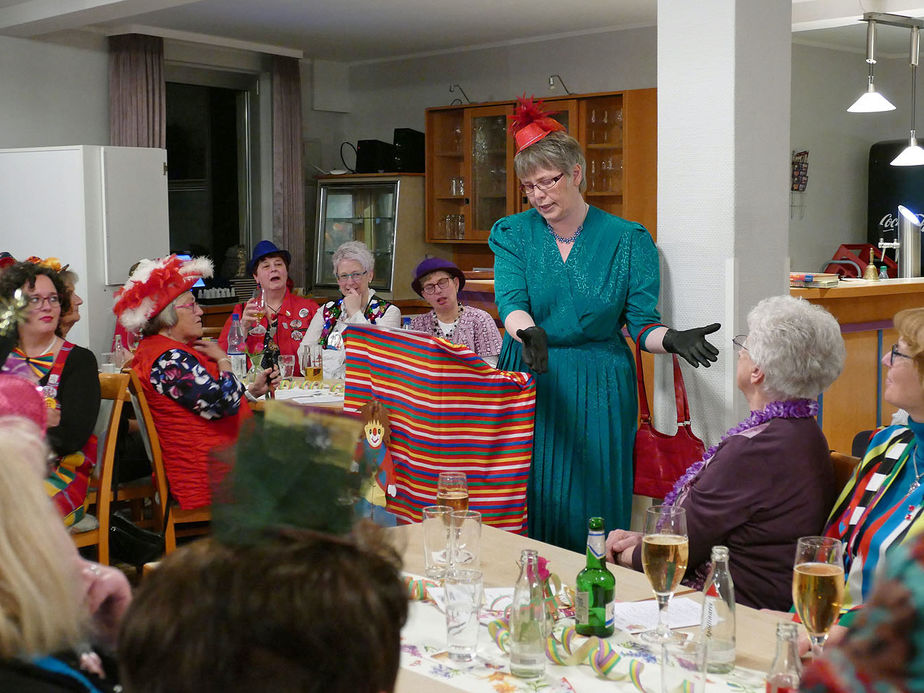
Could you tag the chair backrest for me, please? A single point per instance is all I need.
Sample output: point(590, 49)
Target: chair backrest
point(151, 445)
point(113, 391)
point(844, 467)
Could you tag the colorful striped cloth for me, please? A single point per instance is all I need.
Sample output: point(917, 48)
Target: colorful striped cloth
point(449, 411)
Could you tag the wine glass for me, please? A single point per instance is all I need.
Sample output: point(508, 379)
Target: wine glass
point(818, 586)
point(452, 490)
point(260, 303)
point(665, 550)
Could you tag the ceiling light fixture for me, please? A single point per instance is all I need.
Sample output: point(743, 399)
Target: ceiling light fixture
point(913, 154)
point(871, 101)
point(560, 80)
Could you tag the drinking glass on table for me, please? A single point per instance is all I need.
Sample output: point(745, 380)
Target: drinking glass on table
point(287, 367)
point(452, 490)
point(818, 586)
point(462, 591)
point(311, 363)
point(259, 302)
point(665, 550)
point(465, 539)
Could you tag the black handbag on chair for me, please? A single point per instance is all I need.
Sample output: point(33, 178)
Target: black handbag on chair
point(132, 544)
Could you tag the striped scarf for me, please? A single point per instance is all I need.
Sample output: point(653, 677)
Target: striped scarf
point(449, 411)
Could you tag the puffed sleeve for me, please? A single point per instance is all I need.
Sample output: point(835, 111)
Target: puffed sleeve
point(510, 291)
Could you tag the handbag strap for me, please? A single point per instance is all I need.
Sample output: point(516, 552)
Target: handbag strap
point(680, 391)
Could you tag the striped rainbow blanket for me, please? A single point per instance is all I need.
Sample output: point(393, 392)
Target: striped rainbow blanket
point(449, 411)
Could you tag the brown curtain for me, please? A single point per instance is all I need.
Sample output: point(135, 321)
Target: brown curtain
point(137, 91)
point(288, 177)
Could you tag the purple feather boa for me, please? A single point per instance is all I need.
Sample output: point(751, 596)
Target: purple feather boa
point(789, 409)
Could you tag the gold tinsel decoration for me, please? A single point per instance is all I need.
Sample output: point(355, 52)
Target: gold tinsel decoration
point(13, 311)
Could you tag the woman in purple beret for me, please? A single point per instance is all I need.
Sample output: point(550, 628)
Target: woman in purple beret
point(439, 282)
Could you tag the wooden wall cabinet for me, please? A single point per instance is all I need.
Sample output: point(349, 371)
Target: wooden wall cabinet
point(471, 181)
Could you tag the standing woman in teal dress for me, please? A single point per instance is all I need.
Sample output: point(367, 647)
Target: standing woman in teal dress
point(568, 278)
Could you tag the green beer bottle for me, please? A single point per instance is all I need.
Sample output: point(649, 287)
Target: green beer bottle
point(595, 587)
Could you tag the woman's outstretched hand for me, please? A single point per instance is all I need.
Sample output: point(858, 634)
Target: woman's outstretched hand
point(535, 348)
point(692, 344)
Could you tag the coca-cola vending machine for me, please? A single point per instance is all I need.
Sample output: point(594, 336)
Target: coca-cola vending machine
point(889, 187)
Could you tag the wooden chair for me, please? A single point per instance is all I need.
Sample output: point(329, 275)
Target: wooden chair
point(170, 518)
point(113, 393)
point(844, 467)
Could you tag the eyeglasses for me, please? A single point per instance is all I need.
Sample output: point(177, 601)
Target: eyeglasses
point(441, 284)
point(35, 300)
point(192, 305)
point(352, 275)
point(542, 185)
point(895, 352)
point(738, 343)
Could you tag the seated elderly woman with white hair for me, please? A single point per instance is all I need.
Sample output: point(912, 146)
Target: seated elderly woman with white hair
point(354, 269)
point(769, 480)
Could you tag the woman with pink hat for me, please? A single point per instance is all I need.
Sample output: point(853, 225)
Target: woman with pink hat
point(568, 278)
point(439, 281)
point(197, 403)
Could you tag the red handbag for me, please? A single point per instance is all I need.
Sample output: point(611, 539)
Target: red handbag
point(659, 459)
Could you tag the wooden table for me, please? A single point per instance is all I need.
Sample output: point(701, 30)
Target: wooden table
point(500, 550)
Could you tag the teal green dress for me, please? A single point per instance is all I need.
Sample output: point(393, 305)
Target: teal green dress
point(586, 403)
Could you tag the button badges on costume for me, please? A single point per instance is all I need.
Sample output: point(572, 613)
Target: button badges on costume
point(295, 323)
point(303, 313)
point(285, 326)
point(296, 335)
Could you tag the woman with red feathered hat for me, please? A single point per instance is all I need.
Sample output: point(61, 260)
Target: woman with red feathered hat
point(197, 402)
point(568, 278)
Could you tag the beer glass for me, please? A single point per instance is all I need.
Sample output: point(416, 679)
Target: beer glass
point(437, 545)
point(452, 490)
point(287, 367)
point(818, 586)
point(665, 550)
point(462, 590)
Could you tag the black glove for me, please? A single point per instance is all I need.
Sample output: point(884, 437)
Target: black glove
point(692, 344)
point(535, 348)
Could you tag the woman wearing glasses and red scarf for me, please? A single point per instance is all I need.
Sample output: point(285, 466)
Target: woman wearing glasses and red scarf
point(568, 278)
point(67, 375)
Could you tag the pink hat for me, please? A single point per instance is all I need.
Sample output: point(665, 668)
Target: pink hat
point(153, 285)
point(529, 123)
point(21, 397)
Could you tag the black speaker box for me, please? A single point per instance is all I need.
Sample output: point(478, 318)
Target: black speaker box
point(409, 150)
point(374, 156)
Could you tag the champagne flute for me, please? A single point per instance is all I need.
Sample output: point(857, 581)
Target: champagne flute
point(259, 301)
point(818, 586)
point(452, 490)
point(665, 550)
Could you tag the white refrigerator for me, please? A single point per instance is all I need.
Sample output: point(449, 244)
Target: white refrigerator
point(98, 209)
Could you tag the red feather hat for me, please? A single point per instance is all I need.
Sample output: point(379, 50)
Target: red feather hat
point(153, 285)
point(529, 123)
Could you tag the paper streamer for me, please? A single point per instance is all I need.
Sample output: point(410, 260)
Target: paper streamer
point(599, 654)
point(418, 589)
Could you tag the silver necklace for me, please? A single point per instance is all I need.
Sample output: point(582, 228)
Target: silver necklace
point(572, 239)
point(45, 350)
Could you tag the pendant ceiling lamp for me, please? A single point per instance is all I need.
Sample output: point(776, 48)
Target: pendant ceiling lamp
point(913, 154)
point(871, 101)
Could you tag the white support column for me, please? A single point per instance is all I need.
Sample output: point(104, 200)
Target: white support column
point(723, 175)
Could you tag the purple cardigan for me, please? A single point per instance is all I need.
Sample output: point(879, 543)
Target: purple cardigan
point(763, 490)
point(476, 330)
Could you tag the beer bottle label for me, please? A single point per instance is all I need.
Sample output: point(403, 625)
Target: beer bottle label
point(582, 606)
point(610, 614)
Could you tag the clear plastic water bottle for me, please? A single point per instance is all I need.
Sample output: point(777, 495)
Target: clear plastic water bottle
point(236, 346)
point(119, 353)
point(718, 621)
point(528, 625)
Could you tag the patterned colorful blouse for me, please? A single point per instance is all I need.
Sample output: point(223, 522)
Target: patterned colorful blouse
point(179, 376)
point(474, 328)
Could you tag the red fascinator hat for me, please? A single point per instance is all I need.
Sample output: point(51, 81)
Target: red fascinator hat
point(153, 285)
point(529, 123)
